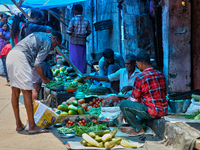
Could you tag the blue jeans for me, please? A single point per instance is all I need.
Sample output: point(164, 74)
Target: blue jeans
point(3, 58)
point(132, 109)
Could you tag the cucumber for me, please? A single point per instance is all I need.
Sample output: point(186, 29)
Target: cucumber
point(101, 132)
point(109, 145)
point(98, 139)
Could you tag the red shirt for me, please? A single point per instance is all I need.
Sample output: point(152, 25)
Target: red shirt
point(150, 89)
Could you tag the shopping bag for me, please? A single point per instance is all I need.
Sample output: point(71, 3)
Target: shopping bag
point(44, 116)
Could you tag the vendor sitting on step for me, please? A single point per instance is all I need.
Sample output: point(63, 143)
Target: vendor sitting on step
point(149, 92)
point(108, 64)
point(126, 76)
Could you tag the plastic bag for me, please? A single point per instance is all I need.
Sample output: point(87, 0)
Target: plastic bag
point(44, 116)
point(110, 112)
point(1, 68)
point(47, 70)
point(194, 107)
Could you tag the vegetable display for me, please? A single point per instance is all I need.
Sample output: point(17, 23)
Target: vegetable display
point(105, 138)
point(79, 129)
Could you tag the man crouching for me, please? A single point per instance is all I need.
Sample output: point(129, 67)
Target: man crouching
point(149, 92)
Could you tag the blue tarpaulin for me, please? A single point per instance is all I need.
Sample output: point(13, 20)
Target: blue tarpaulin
point(42, 4)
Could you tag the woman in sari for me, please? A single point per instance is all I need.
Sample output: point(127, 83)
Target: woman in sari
point(4, 39)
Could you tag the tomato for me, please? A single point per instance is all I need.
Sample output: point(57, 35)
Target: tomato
point(94, 100)
point(96, 106)
point(79, 122)
point(83, 121)
point(69, 122)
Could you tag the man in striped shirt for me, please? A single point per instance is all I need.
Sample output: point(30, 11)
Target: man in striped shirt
point(149, 96)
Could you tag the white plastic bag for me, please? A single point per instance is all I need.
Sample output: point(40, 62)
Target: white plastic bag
point(1, 68)
point(194, 107)
point(110, 112)
point(44, 116)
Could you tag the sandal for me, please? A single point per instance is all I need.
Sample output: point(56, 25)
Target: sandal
point(21, 129)
point(42, 130)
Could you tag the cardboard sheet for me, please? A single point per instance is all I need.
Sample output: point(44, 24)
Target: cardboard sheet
point(119, 133)
point(78, 146)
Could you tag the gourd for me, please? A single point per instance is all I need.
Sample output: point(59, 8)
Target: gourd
point(90, 140)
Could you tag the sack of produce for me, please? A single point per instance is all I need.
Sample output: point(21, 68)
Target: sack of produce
point(193, 108)
point(44, 116)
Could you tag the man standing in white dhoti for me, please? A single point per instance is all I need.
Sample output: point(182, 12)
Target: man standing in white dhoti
point(30, 52)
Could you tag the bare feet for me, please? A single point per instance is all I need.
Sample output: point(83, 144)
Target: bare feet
point(132, 132)
point(125, 129)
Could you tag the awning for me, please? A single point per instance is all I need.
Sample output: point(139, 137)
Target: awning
point(3, 9)
point(42, 4)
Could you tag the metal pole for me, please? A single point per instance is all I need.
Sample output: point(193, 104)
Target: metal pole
point(57, 48)
point(21, 10)
point(92, 10)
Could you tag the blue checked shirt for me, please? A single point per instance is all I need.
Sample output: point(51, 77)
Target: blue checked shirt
point(80, 28)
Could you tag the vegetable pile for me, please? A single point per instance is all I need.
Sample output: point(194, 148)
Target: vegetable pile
point(104, 138)
point(79, 129)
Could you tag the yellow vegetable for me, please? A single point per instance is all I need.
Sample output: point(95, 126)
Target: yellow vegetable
point(92, 135)
point(101, 132)
point(113, 132)
point(109, 136)
point(101, 144)
point(109, 145)
point(98, 139)
point(90, 140)
point(125, 143)
point(106, 137)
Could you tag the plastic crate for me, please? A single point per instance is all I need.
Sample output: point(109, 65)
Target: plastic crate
point(59, 97)
point(47, 91)
point(184, 95)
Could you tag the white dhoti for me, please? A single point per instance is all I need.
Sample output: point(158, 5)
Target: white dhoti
point(19, 70)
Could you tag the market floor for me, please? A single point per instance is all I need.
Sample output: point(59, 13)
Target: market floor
point(12, 140)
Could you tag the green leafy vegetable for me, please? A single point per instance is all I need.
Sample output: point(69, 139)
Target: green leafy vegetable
point(65, 130)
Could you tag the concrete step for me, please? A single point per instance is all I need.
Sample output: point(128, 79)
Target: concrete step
point(172, 132)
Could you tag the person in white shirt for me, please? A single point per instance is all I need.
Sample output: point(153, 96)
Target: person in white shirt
point(126, 76)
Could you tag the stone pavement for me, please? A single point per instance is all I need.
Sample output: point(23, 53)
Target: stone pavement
point(12, 140)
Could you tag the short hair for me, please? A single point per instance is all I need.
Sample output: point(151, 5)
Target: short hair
point(143, 57)
point(3, 14)
point(132, 57)
point(108, 53)
point(57, 34)
point(36, 13)
point(78, 7)
point(3, 24)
